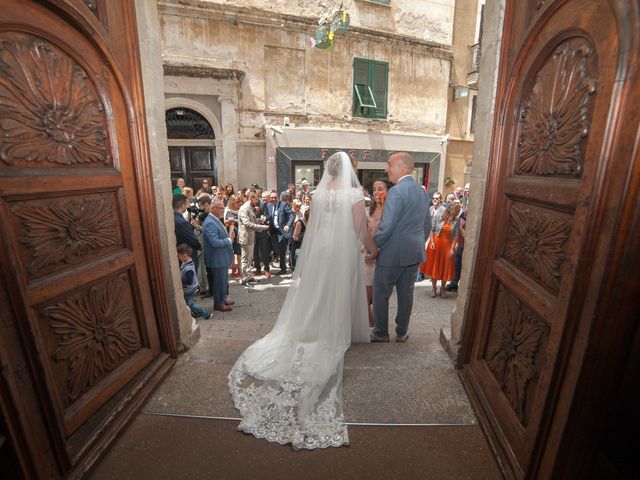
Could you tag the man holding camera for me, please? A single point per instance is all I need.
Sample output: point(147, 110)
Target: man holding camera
point(183, 229)
point(247, 228)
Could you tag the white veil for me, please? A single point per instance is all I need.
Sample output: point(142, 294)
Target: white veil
point(288, 384)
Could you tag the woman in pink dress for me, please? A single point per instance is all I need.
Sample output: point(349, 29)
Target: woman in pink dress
point(379, 191)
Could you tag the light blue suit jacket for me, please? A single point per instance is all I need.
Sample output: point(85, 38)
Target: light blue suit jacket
point(405, 225)
point(218, 251)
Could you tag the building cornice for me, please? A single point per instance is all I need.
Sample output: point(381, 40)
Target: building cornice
point(307, 25)
point(182, 70)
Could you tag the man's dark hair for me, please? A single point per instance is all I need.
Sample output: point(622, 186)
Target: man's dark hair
point(178, 201)
point(184, 248)
point(208, 190)
point(204, 200)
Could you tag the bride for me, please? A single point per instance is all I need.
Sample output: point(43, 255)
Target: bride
point(288, 385)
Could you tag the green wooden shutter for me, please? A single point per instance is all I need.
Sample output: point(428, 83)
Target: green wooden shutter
point(360, 71)
point(360, 77)
point(379, 87)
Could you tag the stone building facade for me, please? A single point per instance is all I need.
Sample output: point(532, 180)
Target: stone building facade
point(461, 112)
point(277, 106)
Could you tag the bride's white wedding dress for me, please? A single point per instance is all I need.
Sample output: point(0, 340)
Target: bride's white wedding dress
point(288, 385)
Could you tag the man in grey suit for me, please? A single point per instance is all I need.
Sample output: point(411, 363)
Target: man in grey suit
point(401, 241)
point(248, 226)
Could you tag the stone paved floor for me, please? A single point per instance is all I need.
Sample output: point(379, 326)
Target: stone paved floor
point(411, 383)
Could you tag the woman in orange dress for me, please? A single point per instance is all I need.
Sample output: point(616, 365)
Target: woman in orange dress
point(441, 247)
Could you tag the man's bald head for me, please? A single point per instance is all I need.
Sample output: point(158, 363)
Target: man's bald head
point(399, 165)
point(406, 159)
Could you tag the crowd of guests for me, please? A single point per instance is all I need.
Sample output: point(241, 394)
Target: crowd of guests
point(221, 232)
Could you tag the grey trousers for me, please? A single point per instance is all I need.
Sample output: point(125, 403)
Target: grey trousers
point(385, 278)
point(246, 251)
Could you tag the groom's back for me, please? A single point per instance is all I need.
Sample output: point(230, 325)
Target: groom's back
point(406, 243)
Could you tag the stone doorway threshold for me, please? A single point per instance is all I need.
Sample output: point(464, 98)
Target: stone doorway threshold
point(169, 447)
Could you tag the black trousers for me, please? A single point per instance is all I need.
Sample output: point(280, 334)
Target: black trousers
point(274, 246)
point(261, 252)
point(283, 246)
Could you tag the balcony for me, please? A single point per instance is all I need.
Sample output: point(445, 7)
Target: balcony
point(472, 76)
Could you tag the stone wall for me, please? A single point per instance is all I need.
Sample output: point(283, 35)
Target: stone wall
point(489, 65)
point(425, 20)
point(459, 151)
point(264, 47)
point(151, 66)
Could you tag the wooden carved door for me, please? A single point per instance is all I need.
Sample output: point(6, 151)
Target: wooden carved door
point(81, 339)
point(563, 154)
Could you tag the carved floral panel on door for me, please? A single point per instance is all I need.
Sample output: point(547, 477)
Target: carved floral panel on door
point(90, 333)
point(57, 233)
point(51, 115)
point(517, 337)
point(556, 115)
point(536, 241)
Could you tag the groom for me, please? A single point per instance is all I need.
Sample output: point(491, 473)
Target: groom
point(401, 241)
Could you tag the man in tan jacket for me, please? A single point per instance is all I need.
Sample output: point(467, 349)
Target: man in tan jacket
point(247, 227)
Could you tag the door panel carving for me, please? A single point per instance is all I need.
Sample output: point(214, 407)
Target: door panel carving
point(545, 203)
point(50, 112)
point(94, 331)
point(536, 240)
point(556, 114)
point(60, 232)
point(516, 341)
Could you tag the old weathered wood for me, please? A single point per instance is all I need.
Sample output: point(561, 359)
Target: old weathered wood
point(83, 339)
point(553, 293)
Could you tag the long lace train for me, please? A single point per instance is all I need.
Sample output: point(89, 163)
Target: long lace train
point(271, 409)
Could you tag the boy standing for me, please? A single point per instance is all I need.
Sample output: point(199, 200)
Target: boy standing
point(190, 286)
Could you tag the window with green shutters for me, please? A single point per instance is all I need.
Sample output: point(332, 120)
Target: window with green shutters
point(370, 81)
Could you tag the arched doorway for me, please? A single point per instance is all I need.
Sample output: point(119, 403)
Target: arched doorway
point(192, 151)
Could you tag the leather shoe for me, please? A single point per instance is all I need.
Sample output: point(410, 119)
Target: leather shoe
point(229, 302)
point(222, 308)
point(206, 295)
point(267, 274)
point(402, 338)
point(376, 338)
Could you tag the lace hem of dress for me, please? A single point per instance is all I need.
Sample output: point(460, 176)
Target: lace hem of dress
point(270, 410)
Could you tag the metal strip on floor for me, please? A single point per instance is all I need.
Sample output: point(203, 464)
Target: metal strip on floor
point(358, 424)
